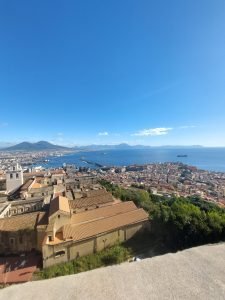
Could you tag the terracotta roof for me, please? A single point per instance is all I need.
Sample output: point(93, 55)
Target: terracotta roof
point(94, 193)
point(59, 204)
point(103, 212)
point(39, 179)
point(25, 221)
point(38, 185)
point(91, 201)
point(87, 230)
point(26, 185)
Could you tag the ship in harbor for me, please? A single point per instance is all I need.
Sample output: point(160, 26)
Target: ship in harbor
point(91, 162)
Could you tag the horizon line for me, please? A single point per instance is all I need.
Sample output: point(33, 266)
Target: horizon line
point(73, 145)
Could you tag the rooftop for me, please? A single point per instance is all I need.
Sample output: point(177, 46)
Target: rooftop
point(20, 222)
point(102, 197)
point(38, 185)
point(102, 212)
point(104, 223)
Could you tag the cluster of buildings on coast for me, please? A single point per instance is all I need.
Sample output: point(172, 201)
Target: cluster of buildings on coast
point(27, 160)
point(170, 179)
point(62, 214)
point(65, 213)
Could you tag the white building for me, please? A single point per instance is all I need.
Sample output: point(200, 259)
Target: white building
point(14, 178)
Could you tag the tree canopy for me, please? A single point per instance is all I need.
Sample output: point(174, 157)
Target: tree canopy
point(181, 222)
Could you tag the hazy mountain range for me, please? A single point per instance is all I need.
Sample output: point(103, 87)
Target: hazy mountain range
point(46, 146)
point(39, 146)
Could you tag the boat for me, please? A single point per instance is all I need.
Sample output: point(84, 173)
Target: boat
point(182, 155)
point(38, 168)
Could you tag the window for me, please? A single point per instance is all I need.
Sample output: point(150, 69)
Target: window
point(11, 176)
point(58, 216)
point(60, 253)
point(17, 175)
point(21, 239)
point(50, 238)
point(12, 241)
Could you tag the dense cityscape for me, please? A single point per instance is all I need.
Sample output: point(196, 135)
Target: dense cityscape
point(161, 178)
point(53, 216)
point(171, 179)
point(112, 150)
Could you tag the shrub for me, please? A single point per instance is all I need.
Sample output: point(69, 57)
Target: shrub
point(109, 256)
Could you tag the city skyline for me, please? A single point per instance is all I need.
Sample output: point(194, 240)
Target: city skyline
point(135, 72)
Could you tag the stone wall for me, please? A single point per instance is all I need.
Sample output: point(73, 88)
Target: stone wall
point(40, 192)
point(81, 249)
point(66, 251)
point(18, 241)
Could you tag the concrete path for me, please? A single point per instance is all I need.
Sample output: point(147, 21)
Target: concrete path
point(197, 273)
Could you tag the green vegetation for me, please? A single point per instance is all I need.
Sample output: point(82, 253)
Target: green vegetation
point(109, 256)
point(179, 222)
point(176, 223)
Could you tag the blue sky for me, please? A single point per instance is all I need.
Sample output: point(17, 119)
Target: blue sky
point(142, 72)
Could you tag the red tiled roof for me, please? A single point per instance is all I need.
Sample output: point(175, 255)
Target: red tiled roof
point(15, 223)
point(26, 185)
point(103, 212)
point(87, 230)
point(91, 201)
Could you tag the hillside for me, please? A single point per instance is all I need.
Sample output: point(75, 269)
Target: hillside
point(43, 145)
point(39, 146)
point(196, 273)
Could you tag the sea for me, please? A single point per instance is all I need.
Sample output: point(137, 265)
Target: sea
point(211, 159)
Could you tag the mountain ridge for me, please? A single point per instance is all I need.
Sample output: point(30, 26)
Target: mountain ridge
point(44, 146)
point(38, 146)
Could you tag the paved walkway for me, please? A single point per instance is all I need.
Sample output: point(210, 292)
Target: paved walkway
point(197, 273)
point(18, 269)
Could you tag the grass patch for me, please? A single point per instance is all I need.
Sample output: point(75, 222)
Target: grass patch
point(114, 255)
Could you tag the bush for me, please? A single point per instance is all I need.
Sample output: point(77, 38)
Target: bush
point(109, 256)
point(181, 222)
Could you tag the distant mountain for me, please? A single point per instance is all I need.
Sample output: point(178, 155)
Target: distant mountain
point(39, 146)
point(45, 146)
